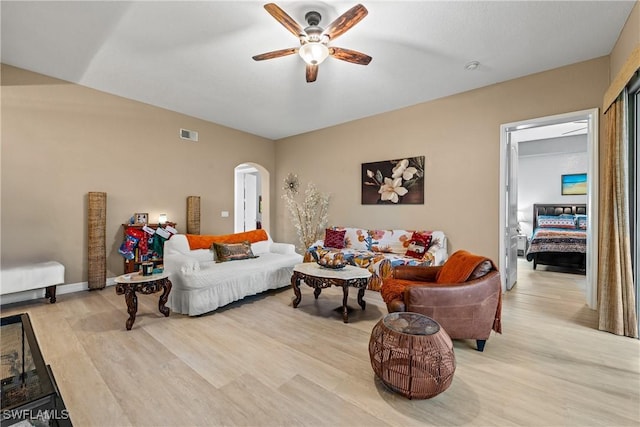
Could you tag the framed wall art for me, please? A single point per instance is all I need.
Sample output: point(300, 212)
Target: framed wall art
point(393, 182)
point(141, 218)
point(574, 184)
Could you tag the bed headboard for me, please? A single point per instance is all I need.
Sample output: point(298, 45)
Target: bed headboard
point(557, 209)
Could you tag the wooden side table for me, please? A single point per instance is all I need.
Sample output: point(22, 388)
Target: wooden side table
point(321, 277)
point(129, 284)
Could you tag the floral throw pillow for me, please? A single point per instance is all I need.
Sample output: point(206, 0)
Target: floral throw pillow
point(233, 251)
point(334, 238)
point(418, 245)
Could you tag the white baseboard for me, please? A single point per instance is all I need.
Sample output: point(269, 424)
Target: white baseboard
point(39, 293)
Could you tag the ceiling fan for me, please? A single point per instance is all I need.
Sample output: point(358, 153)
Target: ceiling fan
point(314, 40)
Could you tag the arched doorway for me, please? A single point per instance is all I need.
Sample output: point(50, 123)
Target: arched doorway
point(251, 194)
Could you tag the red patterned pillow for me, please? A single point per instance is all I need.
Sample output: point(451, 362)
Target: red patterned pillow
point(418, 245)
point(334, 238)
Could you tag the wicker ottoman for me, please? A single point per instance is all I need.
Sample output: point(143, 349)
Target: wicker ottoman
point(412, 355)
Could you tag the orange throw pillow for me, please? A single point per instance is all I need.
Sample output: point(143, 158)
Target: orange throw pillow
point(197, 241)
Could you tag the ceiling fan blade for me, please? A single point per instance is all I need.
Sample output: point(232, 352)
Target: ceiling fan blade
point(349, 55)
point(275, 54)
point(345, 21)
point(286, 21)
point(312, 73)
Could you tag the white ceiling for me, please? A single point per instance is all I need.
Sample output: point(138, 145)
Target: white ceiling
point(195, 57)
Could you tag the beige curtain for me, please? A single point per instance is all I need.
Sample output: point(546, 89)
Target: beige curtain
point(616, 298)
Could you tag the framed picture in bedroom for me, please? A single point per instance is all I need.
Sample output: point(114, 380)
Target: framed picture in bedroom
point(574, 184)
point(393, 182)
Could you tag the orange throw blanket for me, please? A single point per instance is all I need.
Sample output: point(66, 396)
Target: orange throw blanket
point(459, 267)
point(197, 241)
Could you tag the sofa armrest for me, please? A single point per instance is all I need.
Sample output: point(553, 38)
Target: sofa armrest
point(440, 255)
point(180, 263)
point(283, 248)
point(452, 297)
point(443, 294)
point(416, 273)
point(316, 244)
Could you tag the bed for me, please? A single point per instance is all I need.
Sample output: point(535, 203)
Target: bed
point(559, 236)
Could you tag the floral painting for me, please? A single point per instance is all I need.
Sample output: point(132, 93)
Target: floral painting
point(393, 182)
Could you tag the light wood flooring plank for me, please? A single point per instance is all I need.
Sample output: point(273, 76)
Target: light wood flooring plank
point(329, 408)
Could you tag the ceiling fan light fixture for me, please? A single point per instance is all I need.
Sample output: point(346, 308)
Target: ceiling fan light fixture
point(471, 66)
point(313, 53)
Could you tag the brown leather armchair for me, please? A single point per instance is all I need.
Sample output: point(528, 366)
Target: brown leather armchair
point(468, 307)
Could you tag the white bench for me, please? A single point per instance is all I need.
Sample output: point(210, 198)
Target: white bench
point(26, 277)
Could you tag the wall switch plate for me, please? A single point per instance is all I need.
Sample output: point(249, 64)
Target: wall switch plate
point(225, 214)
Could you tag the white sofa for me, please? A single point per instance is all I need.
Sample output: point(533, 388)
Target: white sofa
point(201, 285)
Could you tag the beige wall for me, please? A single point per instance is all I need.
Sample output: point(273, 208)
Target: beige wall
point(459, 135)
point(61, 141)
point(627, 41)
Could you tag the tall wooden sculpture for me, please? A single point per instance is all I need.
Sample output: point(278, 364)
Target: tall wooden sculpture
point(193, 215)
point(97, 245)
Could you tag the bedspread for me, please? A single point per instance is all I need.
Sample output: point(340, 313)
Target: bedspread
point(557, 240)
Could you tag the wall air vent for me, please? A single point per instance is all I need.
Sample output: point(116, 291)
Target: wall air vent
point(191, 135)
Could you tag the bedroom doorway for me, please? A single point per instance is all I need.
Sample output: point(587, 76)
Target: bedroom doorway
point(251, 194)
point(508, 179)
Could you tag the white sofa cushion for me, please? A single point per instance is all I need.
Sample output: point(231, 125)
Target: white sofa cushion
point(283, 248)
point(28, 276)
point(261, 247)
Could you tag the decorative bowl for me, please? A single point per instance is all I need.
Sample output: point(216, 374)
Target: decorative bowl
point(332, 260)
point(329, 258)
point(331, 266)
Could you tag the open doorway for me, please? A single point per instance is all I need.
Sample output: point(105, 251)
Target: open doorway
point(251, 205)
point(510, 217)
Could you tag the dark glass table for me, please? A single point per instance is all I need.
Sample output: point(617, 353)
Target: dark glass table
point(28, 391)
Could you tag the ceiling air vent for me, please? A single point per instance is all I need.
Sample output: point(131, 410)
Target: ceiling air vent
point(191, 135)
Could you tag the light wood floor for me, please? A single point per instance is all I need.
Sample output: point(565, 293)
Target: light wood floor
point(263, 363)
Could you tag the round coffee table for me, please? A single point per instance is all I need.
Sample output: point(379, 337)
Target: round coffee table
point(412, 355)
point(322, 277)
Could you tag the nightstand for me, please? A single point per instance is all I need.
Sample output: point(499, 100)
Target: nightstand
point(523, 244)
